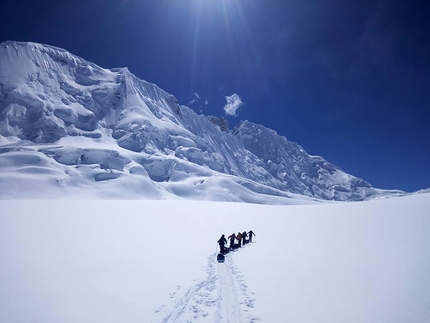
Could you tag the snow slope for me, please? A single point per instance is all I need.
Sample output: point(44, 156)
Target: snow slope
point(154, 261)
point(116, 219)
point(86, 131)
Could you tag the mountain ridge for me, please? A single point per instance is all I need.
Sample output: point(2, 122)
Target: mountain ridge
point(110, 125)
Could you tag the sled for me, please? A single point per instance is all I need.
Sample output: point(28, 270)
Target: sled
point(220, 258)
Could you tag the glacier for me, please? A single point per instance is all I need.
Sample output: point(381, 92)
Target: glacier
point(83, 131)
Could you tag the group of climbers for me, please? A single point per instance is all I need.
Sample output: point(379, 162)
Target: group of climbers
point(236, 241)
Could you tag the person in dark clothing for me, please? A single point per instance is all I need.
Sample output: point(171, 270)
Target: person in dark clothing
point(244, 235)
point(232, 237)
point(222, 242)
point(250, 234)
point(239, 239)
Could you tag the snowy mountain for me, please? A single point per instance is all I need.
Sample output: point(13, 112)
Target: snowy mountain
point(85, 131)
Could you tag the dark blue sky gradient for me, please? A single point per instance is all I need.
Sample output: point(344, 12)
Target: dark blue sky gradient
point(347, 80)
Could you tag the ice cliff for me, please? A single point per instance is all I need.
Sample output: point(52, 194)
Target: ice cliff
point(94, 131)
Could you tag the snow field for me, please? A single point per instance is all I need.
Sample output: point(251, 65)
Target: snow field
point(154, 261)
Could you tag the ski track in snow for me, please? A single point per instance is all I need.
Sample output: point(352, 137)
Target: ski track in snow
point(222, 297)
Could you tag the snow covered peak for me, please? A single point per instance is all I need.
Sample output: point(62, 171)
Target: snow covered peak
point(291, 166)
point(35, 51)
point(90, 131)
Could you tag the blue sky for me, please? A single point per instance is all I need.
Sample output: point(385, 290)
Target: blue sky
point(347, 80)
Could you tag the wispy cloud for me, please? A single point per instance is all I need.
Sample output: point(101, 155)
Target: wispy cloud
point(198, 102)
point(196, 98)
point(234, 102)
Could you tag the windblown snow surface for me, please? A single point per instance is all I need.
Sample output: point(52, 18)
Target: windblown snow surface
point(155, 261)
